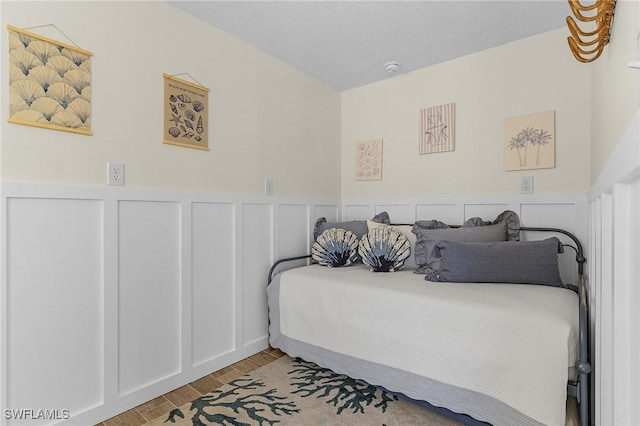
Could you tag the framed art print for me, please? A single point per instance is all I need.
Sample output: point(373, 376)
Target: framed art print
point(369, 160)
point(49, 83)
point(186, 113)
point(438, 129)
point(530, 142)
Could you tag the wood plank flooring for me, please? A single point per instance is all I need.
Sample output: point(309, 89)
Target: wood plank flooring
point(162, 405)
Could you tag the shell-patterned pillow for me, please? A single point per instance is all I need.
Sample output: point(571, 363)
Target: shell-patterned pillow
point(335, 247)
point(384, 249)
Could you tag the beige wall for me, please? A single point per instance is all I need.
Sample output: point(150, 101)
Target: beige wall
point(615, 85)
point(267, 119)
point(532, 75)
point(271, 120)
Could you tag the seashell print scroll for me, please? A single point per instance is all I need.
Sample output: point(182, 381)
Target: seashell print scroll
point(186, 113)
point(49, 83)
point(369, 160)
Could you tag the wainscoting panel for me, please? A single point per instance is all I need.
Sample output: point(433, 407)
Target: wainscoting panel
point(399, 213)
point(488, 211)
point(54, 313)
point(257, 256)
point(213, 277)
point(111, 297)
point(329, 212)
point(556, 215)
point(446, 212)
point(149, 293)
point(354, 211)
point(568, 212)
point(293, 225)
point(614, 273)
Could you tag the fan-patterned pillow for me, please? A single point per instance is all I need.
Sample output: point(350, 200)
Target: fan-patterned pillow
point(335, 247)
point(384, 249)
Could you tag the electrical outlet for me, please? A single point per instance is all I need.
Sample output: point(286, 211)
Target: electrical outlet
point(526, 184)
point(115, 174)
point(268, 186)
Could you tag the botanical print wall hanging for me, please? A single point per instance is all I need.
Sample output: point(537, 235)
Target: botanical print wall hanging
point(49, 83)
point(438, 129)
point(530, 142)
point(186, 113)
point(369, 160)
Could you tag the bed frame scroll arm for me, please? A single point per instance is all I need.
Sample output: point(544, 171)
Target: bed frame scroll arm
point(283, 260)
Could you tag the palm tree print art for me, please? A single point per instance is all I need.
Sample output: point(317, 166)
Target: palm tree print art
point(530, 136)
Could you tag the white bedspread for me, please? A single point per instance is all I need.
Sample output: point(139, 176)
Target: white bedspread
point(511, 342)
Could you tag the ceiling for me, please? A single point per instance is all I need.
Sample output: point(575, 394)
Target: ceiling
point(346, 43)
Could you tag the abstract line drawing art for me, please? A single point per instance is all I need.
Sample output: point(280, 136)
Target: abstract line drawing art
point(369, 160)
point(530, 142)
point(438, 129)
point(186, 113)
point(49, 83)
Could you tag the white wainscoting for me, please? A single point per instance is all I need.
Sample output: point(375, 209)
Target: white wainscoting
point(614, 271)
point(568, 212)
point(113, 296)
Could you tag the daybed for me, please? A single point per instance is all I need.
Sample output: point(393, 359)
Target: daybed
point(482, 352)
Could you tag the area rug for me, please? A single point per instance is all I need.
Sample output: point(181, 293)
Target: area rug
point(295, 392)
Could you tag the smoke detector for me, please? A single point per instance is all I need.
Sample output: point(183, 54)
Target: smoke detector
point(391, 67)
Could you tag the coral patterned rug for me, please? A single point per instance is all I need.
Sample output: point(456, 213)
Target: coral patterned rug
point(295, 392)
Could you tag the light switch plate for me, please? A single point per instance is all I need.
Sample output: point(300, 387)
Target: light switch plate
point(268, 186)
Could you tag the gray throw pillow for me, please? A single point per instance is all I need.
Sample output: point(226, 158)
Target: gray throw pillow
point(508, 216)
point(358, 227)
point(428, 238)
point(530, 262)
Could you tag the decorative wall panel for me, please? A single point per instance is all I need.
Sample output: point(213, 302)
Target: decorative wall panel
point(447, 213)
point(54, 313)
point(257, 256)
point(214, 280)
point(331, 213)
point(357, 211)
point(293, 221)
point(487, 211)
point(149, 296)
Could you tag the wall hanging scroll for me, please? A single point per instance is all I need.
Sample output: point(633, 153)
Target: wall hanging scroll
point(186, 113)
point(369, 160)
point(438, 129)
point(49, 83)
point(587, 46)
point(530, 142)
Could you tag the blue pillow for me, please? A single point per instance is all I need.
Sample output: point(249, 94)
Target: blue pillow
point(428, 238)
point(358, 227)
point(530, 262)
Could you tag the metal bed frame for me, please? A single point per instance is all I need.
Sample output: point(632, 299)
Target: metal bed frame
point(579, 388)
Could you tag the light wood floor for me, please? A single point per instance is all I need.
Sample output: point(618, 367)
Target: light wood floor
point(162, 405)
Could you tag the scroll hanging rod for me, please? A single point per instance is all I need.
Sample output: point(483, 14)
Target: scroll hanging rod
point(587, 46)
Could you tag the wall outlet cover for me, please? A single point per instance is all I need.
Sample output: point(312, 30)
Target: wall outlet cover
point(115, 174)
point(526, 184)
